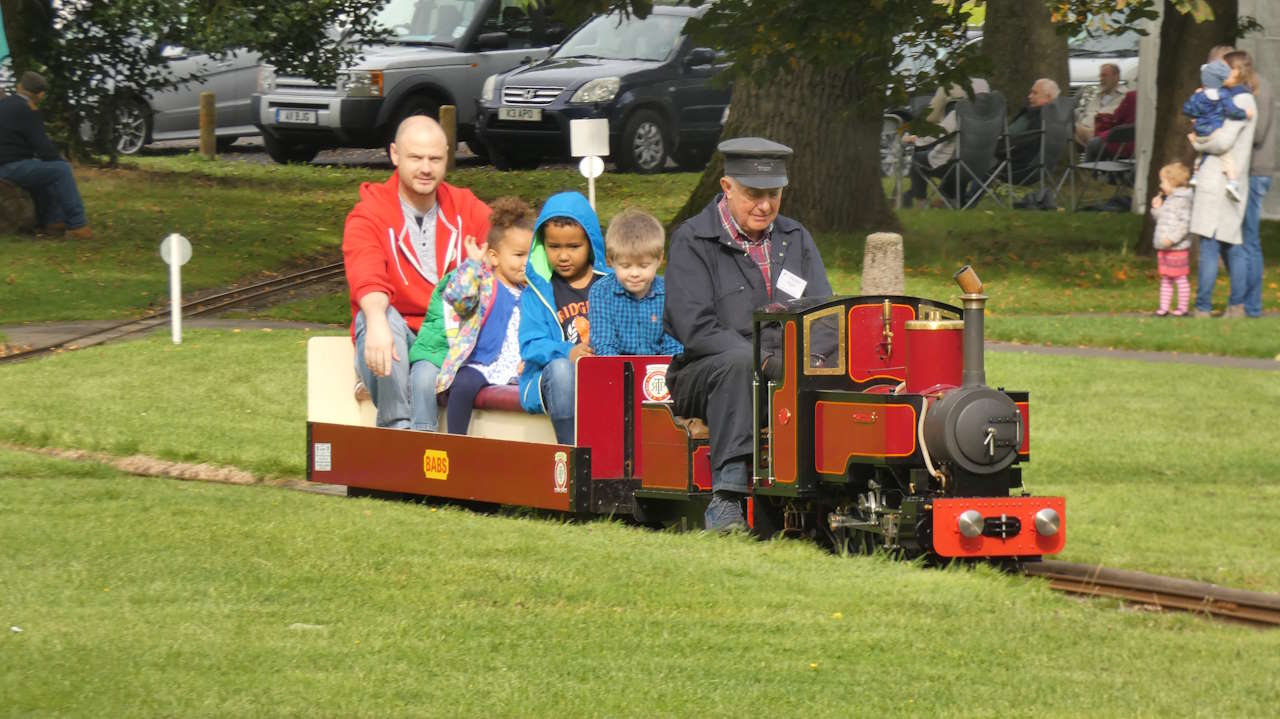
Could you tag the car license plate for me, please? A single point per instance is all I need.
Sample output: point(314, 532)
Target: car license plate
point(297, 117)
point(522, 114)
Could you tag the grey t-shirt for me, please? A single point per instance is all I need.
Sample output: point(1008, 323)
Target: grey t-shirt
point(422, 235)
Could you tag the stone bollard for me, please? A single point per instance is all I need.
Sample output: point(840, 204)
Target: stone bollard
point(882, 265)
point(17, 209)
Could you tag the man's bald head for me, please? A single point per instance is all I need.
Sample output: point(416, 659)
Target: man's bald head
point(420, 126)
point(420, 153)
point(1043, 92)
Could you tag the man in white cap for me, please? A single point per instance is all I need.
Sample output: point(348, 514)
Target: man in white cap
point(738, 254)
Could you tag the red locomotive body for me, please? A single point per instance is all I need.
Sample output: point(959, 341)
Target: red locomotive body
point(881, 432)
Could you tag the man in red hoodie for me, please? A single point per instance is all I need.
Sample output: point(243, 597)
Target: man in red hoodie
point(400, 239)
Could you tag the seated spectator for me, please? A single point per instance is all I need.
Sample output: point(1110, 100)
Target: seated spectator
point(29, 160)
point(1126, 113)
point(1024, 129)
point(1105, 100)
point(626, 306)
point(566, 258)
point(934, 156)
point(485, 292)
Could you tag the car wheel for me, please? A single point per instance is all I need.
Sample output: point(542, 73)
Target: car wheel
point(479, 149)
point(693, 159)
point(285, 153)
point(644, 144)
point(132, 120)
point(416, 105)
point(224, 143)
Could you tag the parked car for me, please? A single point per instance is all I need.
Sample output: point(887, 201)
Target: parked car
point(657, 89)
point(174, 113)
point(440, 53)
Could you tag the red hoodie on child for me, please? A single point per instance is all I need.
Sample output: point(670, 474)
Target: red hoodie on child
point(380, 257)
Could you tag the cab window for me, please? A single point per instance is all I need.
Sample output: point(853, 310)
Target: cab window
point(824, 346)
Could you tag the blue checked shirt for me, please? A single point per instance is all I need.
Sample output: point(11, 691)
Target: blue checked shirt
point(624, 325)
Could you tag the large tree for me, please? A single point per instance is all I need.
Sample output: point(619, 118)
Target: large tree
point(817, 75)
point(1189, 29)
point(1023, 45)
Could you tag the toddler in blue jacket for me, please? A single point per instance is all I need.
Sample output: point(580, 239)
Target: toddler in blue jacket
point(1212, 105)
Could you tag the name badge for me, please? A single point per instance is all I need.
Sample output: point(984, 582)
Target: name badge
point(791, 284)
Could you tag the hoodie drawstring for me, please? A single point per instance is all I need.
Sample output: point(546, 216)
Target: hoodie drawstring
point(391, 240)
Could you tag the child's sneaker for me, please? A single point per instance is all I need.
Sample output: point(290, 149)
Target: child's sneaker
point(1192, 181)
point(1233, 190)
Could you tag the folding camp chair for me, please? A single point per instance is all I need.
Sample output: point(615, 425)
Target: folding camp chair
point(1057, 120)
point(980, 126)
point(1112, 166)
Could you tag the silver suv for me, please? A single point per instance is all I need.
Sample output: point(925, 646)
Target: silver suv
point(439, 53)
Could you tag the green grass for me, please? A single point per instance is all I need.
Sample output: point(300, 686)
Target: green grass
point(1243, 338)
point(1167, 468)
point(147, 597)
point(245, 219)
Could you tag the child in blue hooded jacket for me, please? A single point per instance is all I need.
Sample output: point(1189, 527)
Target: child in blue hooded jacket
point(566, 258)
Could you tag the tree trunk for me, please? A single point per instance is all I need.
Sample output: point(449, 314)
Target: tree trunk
point(1020, 40)
point(1184, 45)
point(28, 25)
point(835, 172)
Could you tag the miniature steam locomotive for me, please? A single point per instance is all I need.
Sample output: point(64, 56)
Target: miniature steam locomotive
point(887, 438)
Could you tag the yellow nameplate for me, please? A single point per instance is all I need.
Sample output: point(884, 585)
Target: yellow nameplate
point(435, 464)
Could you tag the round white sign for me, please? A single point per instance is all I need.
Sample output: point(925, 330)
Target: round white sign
point(591, 167)
point(175, 243)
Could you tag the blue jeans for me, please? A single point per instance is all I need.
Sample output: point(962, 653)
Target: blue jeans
point(53, 186)
point(424, 410)
point(1207, 272)
point(393, 395)
point(557, 385)
point(1259, 185)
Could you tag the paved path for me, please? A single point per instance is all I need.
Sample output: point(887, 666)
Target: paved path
point(40, 334)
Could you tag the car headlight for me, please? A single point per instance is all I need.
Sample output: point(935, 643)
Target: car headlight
point(360, 83)
point(490, 84)
point(602, 89)
point(266, 79)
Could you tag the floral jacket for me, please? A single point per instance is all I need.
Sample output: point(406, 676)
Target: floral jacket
point(471, 292)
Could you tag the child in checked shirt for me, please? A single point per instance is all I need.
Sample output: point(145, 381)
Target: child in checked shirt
point(625, 308)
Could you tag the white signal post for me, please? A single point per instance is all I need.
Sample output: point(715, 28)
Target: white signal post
point(589, 139)
point(175, 250)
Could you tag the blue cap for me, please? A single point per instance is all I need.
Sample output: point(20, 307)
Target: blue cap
point(1213, 74)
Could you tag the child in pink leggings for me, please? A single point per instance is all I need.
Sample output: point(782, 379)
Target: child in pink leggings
point(1172, 210)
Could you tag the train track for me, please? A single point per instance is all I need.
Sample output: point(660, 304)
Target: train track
point(1238, 605)
point(195, 308)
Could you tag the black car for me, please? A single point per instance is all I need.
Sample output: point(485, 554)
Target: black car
point(658, 91)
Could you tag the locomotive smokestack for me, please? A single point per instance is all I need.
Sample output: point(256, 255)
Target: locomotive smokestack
point(975, 373)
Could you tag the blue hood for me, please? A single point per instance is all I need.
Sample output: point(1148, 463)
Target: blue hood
point(573, 205)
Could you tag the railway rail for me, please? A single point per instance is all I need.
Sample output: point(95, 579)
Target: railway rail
point(194, 308)
point(1237, 605)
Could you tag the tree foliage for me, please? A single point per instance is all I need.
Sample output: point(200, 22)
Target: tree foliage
point(100, 54)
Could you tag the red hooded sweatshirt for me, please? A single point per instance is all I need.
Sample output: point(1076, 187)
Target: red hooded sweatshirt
point(380, 257)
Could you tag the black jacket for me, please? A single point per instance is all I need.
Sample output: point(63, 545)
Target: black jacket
point(713, 287)
point(22, 135)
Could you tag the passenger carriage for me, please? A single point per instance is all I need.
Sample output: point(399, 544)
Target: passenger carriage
point(887, 438)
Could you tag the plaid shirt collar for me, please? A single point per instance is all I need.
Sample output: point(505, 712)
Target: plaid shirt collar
point(736, 233)
point(655, 288)
point(757, 250)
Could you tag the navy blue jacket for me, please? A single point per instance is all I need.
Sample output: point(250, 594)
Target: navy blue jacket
point(22, 135)
point(713, 286)
point(1209, 114)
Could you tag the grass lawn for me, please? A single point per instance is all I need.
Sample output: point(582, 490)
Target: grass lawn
point(1164, 467)
point(149, 597)
point(1245, 338)
point(245, 219)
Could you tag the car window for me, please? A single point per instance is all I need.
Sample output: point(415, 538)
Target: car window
point(1086, 45)
point(515, 18)
point(428, 22)
point(615, 37)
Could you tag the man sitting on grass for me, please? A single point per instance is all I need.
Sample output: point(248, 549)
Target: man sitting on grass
point(29, 160)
